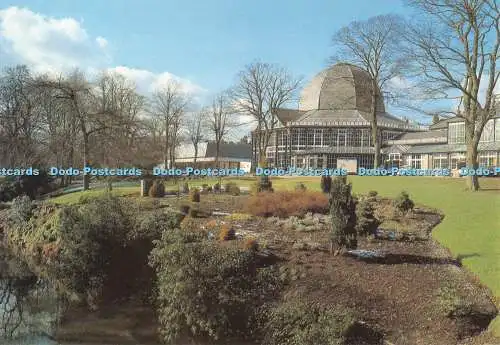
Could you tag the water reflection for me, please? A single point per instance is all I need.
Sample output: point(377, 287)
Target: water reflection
point(29, 307)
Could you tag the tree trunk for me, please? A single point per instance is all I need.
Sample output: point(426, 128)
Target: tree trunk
point(374, 125)
point(86, 178)
point(471, 154)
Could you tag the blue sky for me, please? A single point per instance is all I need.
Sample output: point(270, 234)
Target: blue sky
point(203, 43)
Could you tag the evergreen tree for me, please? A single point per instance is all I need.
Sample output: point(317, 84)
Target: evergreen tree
point(343, 212)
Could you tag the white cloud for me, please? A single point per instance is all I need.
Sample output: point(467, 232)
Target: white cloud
point(148, 81)
point(101, 41)
point(55, 45)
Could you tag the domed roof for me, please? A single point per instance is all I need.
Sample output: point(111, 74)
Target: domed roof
point(340, 87)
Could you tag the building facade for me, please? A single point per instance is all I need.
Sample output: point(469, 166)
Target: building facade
point(331, 129)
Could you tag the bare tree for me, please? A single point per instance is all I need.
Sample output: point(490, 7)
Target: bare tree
point(373, 45)
point(169, 104)
point(454, 47)
point(89, 113)
point(20, 122)
point(220, 120)
point(194, 128)
point(262, 88)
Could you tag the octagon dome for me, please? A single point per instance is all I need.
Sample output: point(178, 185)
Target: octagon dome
point(340, 87)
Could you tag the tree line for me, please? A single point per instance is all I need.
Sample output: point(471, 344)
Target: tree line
point(449, 51)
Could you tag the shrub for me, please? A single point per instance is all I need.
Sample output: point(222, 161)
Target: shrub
point(31, 186)
point(326, 183)
point(251, 244)
point(217, 293)
point(193, 212)
point(216, 187)
point(21, 209)
point(228, 187)
point(209, 189)
point(226, 233)
point(195, 195)
point(300, 187)
point(372, 194)
point(235, 190)
point(184, 209)
point(157, 190)
point(343, 213)
point(301, 323)
point(403, 203)
point(185, 188)
point(367, 224)
point(286, 203)
point(204, 186)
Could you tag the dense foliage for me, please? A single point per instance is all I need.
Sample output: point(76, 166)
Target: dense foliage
point(301, 323)
point(343, 212)
point(367, 223)
point(32, 186)
point(403, 203)
point(157, 190)
point(86, 247)
point(326, 183)
point(207, 291)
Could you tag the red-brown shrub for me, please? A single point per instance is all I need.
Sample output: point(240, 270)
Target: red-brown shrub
point(286, 203)
point(226, 233)
point(251, 244)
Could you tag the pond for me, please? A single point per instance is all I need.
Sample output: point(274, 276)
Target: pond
point(29, 307)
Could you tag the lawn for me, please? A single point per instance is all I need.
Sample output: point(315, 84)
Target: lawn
point(470, 229)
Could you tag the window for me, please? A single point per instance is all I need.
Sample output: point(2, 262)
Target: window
point(457, 160)
point(327, 137)
point(342, 137)
point(415, 161)
point(300, 162)
point(497, 129)
point(310, 137)
point(440, 161)
point(487, 159)
point(319, 163)
point(456, 133)
point(365, 138)
point(331, 162)
point(318, 137)
point(394, 159)
point(488, 131)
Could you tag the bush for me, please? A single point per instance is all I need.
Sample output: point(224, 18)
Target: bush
point(157, 190)
point(372, 194)
point(226, 233)
point(184, 209)
point(286, 203)
point(216, 187)
point(367, 224)
point(195, 195)
point(403, 203)
point(231, 188)
point(300, 187)
point(185, 188)
point(301, 323)
point(251, 244)
point(343, 212)
point(193, 212)
point(326, 183)
point(217, 293)
point(21, 209)
point(32, 186)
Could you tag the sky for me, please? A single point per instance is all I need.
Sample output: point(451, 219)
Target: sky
point(201, 43)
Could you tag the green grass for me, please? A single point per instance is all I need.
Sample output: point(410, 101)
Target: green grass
point(73, 198)
point(471, 227)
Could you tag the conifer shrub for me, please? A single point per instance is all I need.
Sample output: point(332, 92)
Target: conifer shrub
point(195, 195)
point(326, 183)
point(367, 224)
point(403, 203)
point(218, 292)
point(157, 190)
point(216, 188)
point(185, 188)
point(184, 209)
point(343, 213)
point(372, 194)
point(300, 187)
point(21, 209)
